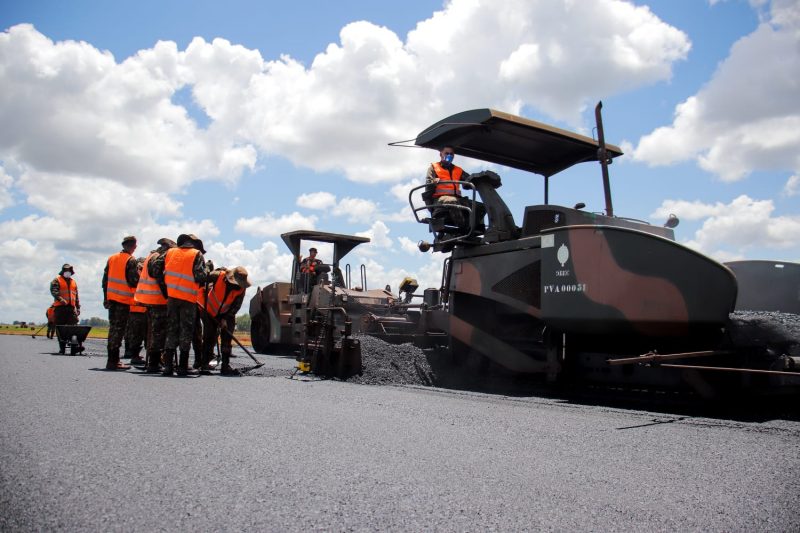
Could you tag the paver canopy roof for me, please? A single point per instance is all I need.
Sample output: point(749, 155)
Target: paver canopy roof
point(342, 244)
point(513, 141)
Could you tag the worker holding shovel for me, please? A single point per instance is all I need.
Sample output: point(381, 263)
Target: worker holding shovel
point(225, 297)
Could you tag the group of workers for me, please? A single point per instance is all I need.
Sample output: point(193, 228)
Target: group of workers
point(174, 299)
point(171, 300)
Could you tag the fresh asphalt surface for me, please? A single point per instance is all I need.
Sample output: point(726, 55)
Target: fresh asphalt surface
point(85, 449)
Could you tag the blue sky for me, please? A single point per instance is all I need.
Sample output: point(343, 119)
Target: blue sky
point(252, 118)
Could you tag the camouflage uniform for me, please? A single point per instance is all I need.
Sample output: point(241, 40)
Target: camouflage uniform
point(212, 326)
point(135, 334)
point(181, 314)
point(157, 324)
point(156, 314)
point(136, 329)
point(118, 312)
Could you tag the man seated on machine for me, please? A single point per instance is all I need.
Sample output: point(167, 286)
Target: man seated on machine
point(310, 268)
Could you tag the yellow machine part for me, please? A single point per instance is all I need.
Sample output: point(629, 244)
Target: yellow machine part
point(304, 366)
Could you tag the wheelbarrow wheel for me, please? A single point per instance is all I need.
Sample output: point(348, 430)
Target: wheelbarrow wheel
point(73, 349)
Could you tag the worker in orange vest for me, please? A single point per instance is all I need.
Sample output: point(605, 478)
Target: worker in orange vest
point(225, 297)
point(184, 272)
point(120, 278)
point(443, 179)
point(152, 293)
point(51, 321)
point(136, 330)
point(67, 305)
point(309, 273)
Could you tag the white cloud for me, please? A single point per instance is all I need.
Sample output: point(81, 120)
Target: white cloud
point(317, 200)
point(743, 224)
point(378, 235)
point(356, 209)
point(408, 245)
point(270, 225)
point(747, 117)
point(264, 265)
point(6, 182)
point(792, 187)
point(69, 108)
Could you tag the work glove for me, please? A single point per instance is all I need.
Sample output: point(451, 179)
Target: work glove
point(61, 300)
point(77, 311)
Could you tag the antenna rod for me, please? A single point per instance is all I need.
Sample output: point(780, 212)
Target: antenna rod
point(602, 156)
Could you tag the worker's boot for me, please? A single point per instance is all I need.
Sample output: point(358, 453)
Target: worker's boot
point(137, 359)
point(198, 359)
point(226, 369)
point(62, 347)
point(169, 359)
point(113, 362)
point(183, 365)
point(153, 362)
point(205, 368)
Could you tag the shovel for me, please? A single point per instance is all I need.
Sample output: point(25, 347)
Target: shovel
point(222, 326)
point(37, 331)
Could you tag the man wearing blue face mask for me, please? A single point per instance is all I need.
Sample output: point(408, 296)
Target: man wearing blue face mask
point(444, 178)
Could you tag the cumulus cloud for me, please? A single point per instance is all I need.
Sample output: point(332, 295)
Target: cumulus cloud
point(747, 117)
point(317, 200)
point(378, 235)
point(383, 86)
point(264, 265)
point(356, 209)
point(6, 181)
point(792, 187)
point(69, 108)
point(270, 225)
point(743, 224)
point(408, 245)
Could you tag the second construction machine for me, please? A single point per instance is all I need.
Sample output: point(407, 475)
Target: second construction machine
point(317, 317)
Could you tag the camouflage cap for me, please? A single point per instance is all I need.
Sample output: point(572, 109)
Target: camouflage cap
point(166, 242)
point(128, 239)
point(66, 267)
point(238, 276)
point(183, 238)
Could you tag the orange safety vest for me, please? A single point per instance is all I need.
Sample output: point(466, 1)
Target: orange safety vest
point(308, 265)
point(118, 289)
point(69, 293)
point(218, 301)
point(448, 181)
point(179, 274)
point(201, 298)
point(148, 291)
point(51, 314)
point(138, 308)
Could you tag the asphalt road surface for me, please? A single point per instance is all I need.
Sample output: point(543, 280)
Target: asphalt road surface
point(85, 449)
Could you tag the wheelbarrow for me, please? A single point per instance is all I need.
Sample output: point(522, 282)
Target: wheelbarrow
point(74, 336)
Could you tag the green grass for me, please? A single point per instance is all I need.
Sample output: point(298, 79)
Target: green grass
point(7, 329)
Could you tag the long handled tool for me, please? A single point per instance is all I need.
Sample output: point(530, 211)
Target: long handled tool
point(259, 364)
point(224, 328)
point(37, 331)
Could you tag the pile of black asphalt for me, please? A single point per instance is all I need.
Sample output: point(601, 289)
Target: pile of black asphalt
point(393, 364)
point(767, 329)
